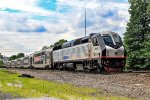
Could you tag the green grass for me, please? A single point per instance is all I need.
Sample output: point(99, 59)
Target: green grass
point(31, 87)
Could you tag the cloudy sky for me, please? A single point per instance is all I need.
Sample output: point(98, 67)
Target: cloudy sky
point(27, 25)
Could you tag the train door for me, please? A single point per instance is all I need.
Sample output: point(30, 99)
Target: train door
point(51, 59)
point(95, 48)
point(31, 61)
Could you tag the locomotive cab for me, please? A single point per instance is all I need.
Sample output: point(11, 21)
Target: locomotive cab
point(114, 57)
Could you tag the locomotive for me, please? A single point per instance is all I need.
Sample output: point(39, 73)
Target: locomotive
point(97, 52)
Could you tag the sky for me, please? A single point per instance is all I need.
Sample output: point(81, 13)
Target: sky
point(28, 25)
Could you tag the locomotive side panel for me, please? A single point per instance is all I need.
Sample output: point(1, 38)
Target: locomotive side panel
point(74, 53)
point(56, 55)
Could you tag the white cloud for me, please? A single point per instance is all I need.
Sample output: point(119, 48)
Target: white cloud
point(15, 42)
point(59, 25)
point(22, 5)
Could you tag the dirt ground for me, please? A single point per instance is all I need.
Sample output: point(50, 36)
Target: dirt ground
point(133, 85)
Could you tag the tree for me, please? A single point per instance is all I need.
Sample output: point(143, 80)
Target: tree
point(149, 7)
point(137, 35)
point(60, 42)
point(1, 63)
point(20, 55)
point(1, 56)
point(44, 48)
point(148, 37)
point(13, 57)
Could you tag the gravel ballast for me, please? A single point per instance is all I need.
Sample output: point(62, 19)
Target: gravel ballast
point(133, 85)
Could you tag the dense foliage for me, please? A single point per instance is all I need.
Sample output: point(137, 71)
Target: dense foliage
point(137, 36)
point(45, 47)
point(1, 63)
point(149, 7)
point(1, 56)
point(60, 42)
point(14, 57)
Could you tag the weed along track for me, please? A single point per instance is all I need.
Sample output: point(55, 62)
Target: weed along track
point(132, 85)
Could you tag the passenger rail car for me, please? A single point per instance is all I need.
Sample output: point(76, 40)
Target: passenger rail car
point(19, 63)
point(96, 52)
point(42, 59)
point(8, 64)
point(26, 62)
point(13, 64)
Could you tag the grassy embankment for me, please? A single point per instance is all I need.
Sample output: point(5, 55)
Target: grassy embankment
point(31, 87)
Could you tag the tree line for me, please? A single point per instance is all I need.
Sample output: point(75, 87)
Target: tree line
point(20, 55)
point(1, 62)
point(60, 42)
point(137, 35)
point(14, 57)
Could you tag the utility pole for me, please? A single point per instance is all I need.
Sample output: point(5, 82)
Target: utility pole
point(85, 22)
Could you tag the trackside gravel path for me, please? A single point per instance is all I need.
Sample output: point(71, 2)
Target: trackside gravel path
point(134, 85)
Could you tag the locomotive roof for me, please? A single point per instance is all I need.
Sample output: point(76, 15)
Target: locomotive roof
point(108, 32)
point(68, 42)
point(47, 50)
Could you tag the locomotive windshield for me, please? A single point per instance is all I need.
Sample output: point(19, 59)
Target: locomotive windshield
point(117, 40)
point(113, 41)
point(108, 41)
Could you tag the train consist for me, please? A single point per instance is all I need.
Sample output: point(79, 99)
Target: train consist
point(96, 52)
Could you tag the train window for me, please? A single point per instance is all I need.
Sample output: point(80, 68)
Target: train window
point(57, 47)
point(39, 62)
point(77, 41)
point(108, 41)
point(26, 61)
point(43, 53)
point(95, 42)
point(37, 54)
point(117, 40)
point(68, 44)
point(45, 59)
point(85, 39)
point(33, 60)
